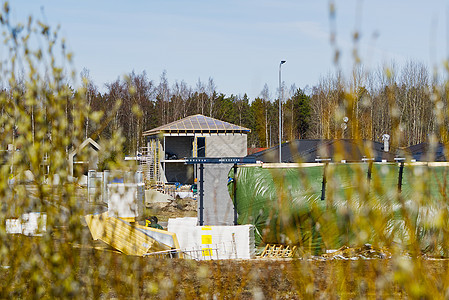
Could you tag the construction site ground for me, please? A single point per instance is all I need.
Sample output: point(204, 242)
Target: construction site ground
point(177, 208)
point(131, 277)
point(362, 272)
point(319, 276)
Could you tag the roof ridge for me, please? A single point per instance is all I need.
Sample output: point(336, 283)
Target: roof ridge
point(165, 125)
point(198, 120)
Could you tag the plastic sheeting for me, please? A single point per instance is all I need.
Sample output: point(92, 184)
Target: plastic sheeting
point(316, 205)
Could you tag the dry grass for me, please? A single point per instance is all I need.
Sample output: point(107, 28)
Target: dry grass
point(105, 275)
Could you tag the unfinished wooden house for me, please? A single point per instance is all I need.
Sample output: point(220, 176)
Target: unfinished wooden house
point(194, 136)
point(85, 156)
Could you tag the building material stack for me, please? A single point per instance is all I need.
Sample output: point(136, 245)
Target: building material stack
point(118, 227)
point(213, 242)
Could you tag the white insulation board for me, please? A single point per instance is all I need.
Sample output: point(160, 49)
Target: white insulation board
point(213, 242)
point(126, 200)
point(31, 224)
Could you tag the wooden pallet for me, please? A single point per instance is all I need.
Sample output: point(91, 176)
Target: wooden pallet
point(278, 251)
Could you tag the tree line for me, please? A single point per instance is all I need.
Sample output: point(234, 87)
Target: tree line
point(407, 103)
point(145, 105)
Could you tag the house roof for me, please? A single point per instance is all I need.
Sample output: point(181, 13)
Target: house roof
point(86, 142)
point(423, 152)
point(197, 124)
point(309, 150)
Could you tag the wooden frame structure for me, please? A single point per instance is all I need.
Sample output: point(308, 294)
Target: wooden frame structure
point(186, 135)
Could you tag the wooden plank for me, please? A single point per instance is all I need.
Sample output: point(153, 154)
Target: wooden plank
point(171, 234)
point(122, 235)
point(95, 230)
point(129, 219)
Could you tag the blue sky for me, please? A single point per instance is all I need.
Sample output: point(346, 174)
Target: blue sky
point(240, 43)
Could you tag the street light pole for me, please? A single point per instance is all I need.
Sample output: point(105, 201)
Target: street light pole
point(280, 112)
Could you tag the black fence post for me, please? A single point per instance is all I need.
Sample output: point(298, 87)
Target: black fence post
point(234, 194)
point(370, 167)
point(201, 208)
point(323, 184)
point(401, 172)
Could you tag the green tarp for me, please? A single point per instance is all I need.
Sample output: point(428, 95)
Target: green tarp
point(363, 203)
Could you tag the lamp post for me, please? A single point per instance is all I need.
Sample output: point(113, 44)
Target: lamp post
point(280, 111)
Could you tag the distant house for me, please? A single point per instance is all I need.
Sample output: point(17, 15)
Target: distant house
point(86, 158)
point(194, 136)
point(347, 150)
